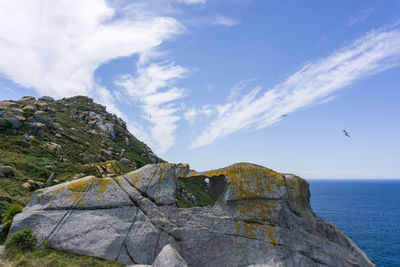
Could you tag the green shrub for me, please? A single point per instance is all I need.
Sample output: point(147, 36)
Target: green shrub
point(183, 203)
point(45, 244)
point(11, 212)
point(22, 240)
point(201, 193)
point(8, 219)
point(8, 124)
point(4, 231)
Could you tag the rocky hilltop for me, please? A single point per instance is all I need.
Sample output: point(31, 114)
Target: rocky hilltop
point(44, 142)
point(241, 215)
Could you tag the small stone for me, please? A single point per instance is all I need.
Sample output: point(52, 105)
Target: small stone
point(50, 111)
point(10, 120)
point(47, 99)
point(49, 167)
point(42, 117)
point(16, 110)
point(27, 137)
point(5, 105)
point(125, 160)
point(58, 126)
point(51, 177)
point(110, 168)
point(100, 169)
point(35, 185)
point(28, 108)
point(52, 147)
point(7, 171)
point(26, 185)
point(27, 98)
point(36, 128)
point(74, 129)
point(58, 135)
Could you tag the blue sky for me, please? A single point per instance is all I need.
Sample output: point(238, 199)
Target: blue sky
point(209, 82)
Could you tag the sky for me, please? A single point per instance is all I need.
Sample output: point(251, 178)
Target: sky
point(215, 82)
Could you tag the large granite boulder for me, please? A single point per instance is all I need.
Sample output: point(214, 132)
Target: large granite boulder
point(258, 218)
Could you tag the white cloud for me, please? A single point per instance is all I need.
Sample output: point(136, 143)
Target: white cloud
point(190, 115)
point(105, 97)
point(225, 21)
point(374, 52)
point(54, 47)
point(206, 110)
point(152, 89)
point(192, 2)
point(238, 88)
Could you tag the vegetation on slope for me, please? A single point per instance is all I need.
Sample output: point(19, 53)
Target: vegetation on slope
point(194, 194)
point(45, 142)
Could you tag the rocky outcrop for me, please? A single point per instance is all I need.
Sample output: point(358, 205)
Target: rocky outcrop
point(257, 217)
point(80, 117)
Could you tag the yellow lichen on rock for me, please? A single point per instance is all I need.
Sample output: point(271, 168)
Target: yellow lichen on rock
point(101, 185)
point(258, 231)
point(249, 180)
point(298, 192)
point(160, 181)
point(257, 209)
point(77, 188)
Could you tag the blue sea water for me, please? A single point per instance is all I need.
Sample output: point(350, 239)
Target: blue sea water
point(367, 211)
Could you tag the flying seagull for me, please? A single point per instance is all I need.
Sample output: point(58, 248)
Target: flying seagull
point(346, 133)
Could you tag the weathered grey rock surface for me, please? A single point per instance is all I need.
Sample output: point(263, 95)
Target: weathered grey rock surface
point(260, 218)
point(169, 257)
point(2, 249)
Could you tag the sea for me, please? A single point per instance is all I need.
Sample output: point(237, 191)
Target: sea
point(367, 211)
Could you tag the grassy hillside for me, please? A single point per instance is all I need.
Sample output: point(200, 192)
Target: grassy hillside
point(49, 142)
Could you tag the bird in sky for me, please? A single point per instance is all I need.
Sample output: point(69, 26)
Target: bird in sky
point(346, 133)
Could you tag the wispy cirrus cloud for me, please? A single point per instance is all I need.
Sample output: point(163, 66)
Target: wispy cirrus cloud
point(152, 88)
point(375, 52)
point(192, 2)
point(224, 21)
point(363, 15)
